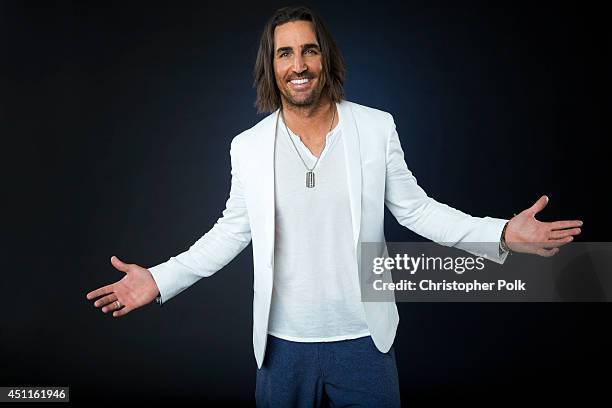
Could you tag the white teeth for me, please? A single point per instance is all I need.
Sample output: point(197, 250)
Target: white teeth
point(299, 81)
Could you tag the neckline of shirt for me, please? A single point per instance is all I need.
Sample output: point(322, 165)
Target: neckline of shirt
point(330, 138)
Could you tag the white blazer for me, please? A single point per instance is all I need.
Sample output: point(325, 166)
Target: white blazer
point(377, 176)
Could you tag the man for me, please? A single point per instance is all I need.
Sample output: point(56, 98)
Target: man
point(309, 184)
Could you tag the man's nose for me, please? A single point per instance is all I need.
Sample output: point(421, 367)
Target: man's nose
point(299, 64)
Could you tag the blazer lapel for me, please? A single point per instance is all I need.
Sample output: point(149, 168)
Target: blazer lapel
point(267, 178)
point(352, 154)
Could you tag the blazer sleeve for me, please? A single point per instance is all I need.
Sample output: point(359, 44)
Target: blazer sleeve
point(438, 222)
point(215, 249)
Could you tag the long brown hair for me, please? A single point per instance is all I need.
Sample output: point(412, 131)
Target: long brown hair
point(332, 75)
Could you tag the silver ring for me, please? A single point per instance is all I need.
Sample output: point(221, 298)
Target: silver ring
point(118, 304)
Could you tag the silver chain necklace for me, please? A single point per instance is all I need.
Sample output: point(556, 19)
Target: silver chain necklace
point(310, 176)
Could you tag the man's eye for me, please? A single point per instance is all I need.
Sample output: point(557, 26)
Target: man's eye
point(284, 54)
point(311, 51)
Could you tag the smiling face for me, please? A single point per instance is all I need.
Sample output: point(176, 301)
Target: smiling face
point(297, 63)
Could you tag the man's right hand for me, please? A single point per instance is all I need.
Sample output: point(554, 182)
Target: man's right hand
point(136, 289)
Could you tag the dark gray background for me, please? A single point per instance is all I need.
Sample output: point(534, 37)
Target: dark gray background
point(116, 119)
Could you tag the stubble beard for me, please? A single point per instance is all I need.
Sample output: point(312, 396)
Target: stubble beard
point(311, 100)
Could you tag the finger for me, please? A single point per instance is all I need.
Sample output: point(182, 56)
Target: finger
point(557, 225)
point(553, 243)
point(105, 300)
point(122, 312)
point(547, 252)
point(101, 291)
point(559, 234)
point(123, 267)
point(112, 307)
point(539, 205)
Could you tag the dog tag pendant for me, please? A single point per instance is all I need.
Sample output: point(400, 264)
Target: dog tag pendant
point(310, 179)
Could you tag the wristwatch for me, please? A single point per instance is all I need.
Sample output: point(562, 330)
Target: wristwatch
point(502, 243)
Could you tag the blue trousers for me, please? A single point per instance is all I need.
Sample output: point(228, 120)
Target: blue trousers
point(345, 373)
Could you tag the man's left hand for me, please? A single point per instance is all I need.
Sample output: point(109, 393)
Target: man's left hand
point(526, 234)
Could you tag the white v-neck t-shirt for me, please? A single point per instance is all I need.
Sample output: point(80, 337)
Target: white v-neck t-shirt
point(315, 294)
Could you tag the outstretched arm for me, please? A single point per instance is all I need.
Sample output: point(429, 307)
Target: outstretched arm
point(215, 249)
point(415, 210)
point(478, 235)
